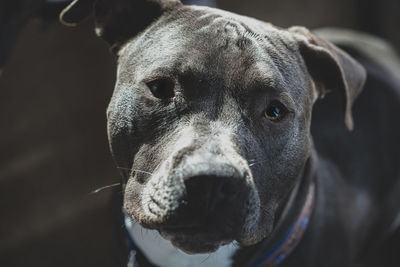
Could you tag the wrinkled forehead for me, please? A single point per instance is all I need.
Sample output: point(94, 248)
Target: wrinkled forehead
point(236, 50)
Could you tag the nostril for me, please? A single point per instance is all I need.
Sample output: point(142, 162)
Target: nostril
point(229, 189)
point(210, 191)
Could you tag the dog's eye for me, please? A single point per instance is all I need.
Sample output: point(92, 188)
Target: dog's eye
point(162, 88)
point(275, 111)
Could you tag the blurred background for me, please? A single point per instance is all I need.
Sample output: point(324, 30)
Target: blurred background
point(55, 83)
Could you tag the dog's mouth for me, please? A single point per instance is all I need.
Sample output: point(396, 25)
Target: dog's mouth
point(195, 239)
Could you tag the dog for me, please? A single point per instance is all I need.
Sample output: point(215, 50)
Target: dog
point(233, 134)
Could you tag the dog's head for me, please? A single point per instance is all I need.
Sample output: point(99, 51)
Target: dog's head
point(211, 115)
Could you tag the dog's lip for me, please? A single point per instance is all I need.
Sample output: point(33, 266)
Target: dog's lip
point(206, 247)
point(183, 230)
point(196, 230)
point(205, 241)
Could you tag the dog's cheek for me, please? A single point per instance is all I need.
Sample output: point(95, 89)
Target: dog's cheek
point(132, 200)
point(278, 165)
point(288, 164)
point(134, 120)
point(120, 128)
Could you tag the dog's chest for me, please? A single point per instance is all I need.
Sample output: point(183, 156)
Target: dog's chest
point(162, 253)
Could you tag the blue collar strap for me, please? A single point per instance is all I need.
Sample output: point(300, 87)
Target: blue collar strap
point(292, 237)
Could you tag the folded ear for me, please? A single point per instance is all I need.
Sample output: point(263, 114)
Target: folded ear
point(117, 20)
point(331, 69)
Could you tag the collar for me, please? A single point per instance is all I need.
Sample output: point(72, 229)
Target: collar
point(292, 237)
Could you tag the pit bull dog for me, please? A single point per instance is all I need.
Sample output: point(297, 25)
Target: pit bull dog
point(217, 125)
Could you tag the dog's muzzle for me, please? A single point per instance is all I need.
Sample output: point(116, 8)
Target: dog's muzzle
point(200, 201)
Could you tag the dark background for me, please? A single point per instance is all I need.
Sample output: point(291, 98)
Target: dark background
point(54, 89)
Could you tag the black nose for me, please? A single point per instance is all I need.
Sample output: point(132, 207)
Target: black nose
point(213, 195)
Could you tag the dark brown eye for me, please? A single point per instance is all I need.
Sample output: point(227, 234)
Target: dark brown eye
point(275, 111)
point(162, 88)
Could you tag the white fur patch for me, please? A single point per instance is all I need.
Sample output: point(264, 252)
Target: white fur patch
point(162, 253)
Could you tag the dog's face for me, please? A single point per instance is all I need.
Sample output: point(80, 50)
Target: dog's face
point(207, 101)
point(211, 117)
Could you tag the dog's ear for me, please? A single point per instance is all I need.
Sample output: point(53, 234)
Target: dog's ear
point(117, 20)
point(331, 69)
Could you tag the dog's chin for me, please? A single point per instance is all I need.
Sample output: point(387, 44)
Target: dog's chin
point(195, 248)
point(195, 243)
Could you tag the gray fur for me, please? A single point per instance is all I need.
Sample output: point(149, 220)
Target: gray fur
point(226, 69)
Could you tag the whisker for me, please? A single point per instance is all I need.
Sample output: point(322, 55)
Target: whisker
point(104, 187)
point(258, 162)
point(136, 170)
